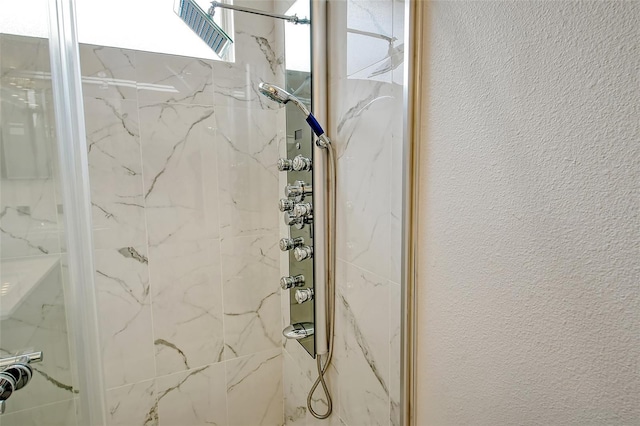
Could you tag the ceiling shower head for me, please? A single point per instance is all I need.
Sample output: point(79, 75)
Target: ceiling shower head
point(202, 24)
point(280, 95)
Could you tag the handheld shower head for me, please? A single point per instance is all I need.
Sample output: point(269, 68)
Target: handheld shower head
point(280, 95)
point(274, 93)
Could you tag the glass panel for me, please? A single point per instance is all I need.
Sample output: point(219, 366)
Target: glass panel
point(33, 314)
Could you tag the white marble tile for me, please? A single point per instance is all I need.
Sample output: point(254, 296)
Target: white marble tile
point(115, 171)
point(173, 79)
point(259, 57)
point(108, 72)
point(374, 16)
point(296, 387)
point(38, 323)
point(57, 414)
point(133, 405)
point(193, 398)
point(396, 180)
point(394, 352)
point(364, 365)
point(369, 58)
point(254, 389)
point(28, 219)
point(364, 139)
point(124, 313)
point(247, 141)
point(180, 175)
point(301, 357)
point(187, 305)
point(251, 294)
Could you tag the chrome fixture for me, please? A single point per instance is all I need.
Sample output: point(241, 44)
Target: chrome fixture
point(325, 205)
point(298, 222)
point(16, 374)
point(302, 210)
point(284, 164)
point(280, 95)
point(288, 282)
point(303, 253)
point(286, 205)
point(301, 164)
point(304, 295)
point(290, 18)
point(31, 358)
point(299, 330)
point(298, 190)
point(202, 24)
point(287, 244)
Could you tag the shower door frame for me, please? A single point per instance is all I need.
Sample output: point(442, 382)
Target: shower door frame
point(74, 176)
point(415, 77)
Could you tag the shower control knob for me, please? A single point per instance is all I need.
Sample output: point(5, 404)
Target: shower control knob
point(301, 164)
point(304, 295)
point(297, 191)
point(288, 282)
point(298, 222)
point(284, 164)
point(302, 210)
point(302, 253)
point(286, 205)
point(287, 244)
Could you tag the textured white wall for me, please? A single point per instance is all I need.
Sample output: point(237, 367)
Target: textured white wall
point(530, 226)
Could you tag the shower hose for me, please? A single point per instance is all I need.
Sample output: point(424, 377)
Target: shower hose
point(330, 236)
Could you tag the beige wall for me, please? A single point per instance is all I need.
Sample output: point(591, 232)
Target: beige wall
point(529, 276)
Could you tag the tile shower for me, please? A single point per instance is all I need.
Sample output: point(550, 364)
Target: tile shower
point(183, 178)
point(182, 156)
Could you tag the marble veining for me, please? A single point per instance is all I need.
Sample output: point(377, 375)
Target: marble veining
point(179, 169)
point(248, 143)
point(123, 287)
point(173, 79)
point(251, 294)
point(108, 72)
point(362, 344)
point(193, 398)
point(115, 170)
point(364, 364)
point(275, 60)
point(39, 322)
point(187, 305)
point(133, 405)
point(256, 378)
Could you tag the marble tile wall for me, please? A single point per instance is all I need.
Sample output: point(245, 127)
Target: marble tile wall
point(366, 114)
point(182, 156)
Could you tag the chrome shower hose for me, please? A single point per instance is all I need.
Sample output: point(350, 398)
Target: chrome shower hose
point(330, 237)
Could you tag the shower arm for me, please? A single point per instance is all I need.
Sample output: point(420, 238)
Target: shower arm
point(290, 18)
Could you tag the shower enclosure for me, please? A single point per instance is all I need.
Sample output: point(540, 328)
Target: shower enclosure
point(140, 222)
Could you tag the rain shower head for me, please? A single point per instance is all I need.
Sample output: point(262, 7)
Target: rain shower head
point(280, 95)
point(202, 24)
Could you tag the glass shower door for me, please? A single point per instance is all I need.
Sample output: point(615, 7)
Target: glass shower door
point(44, 343)
point(32, 295)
